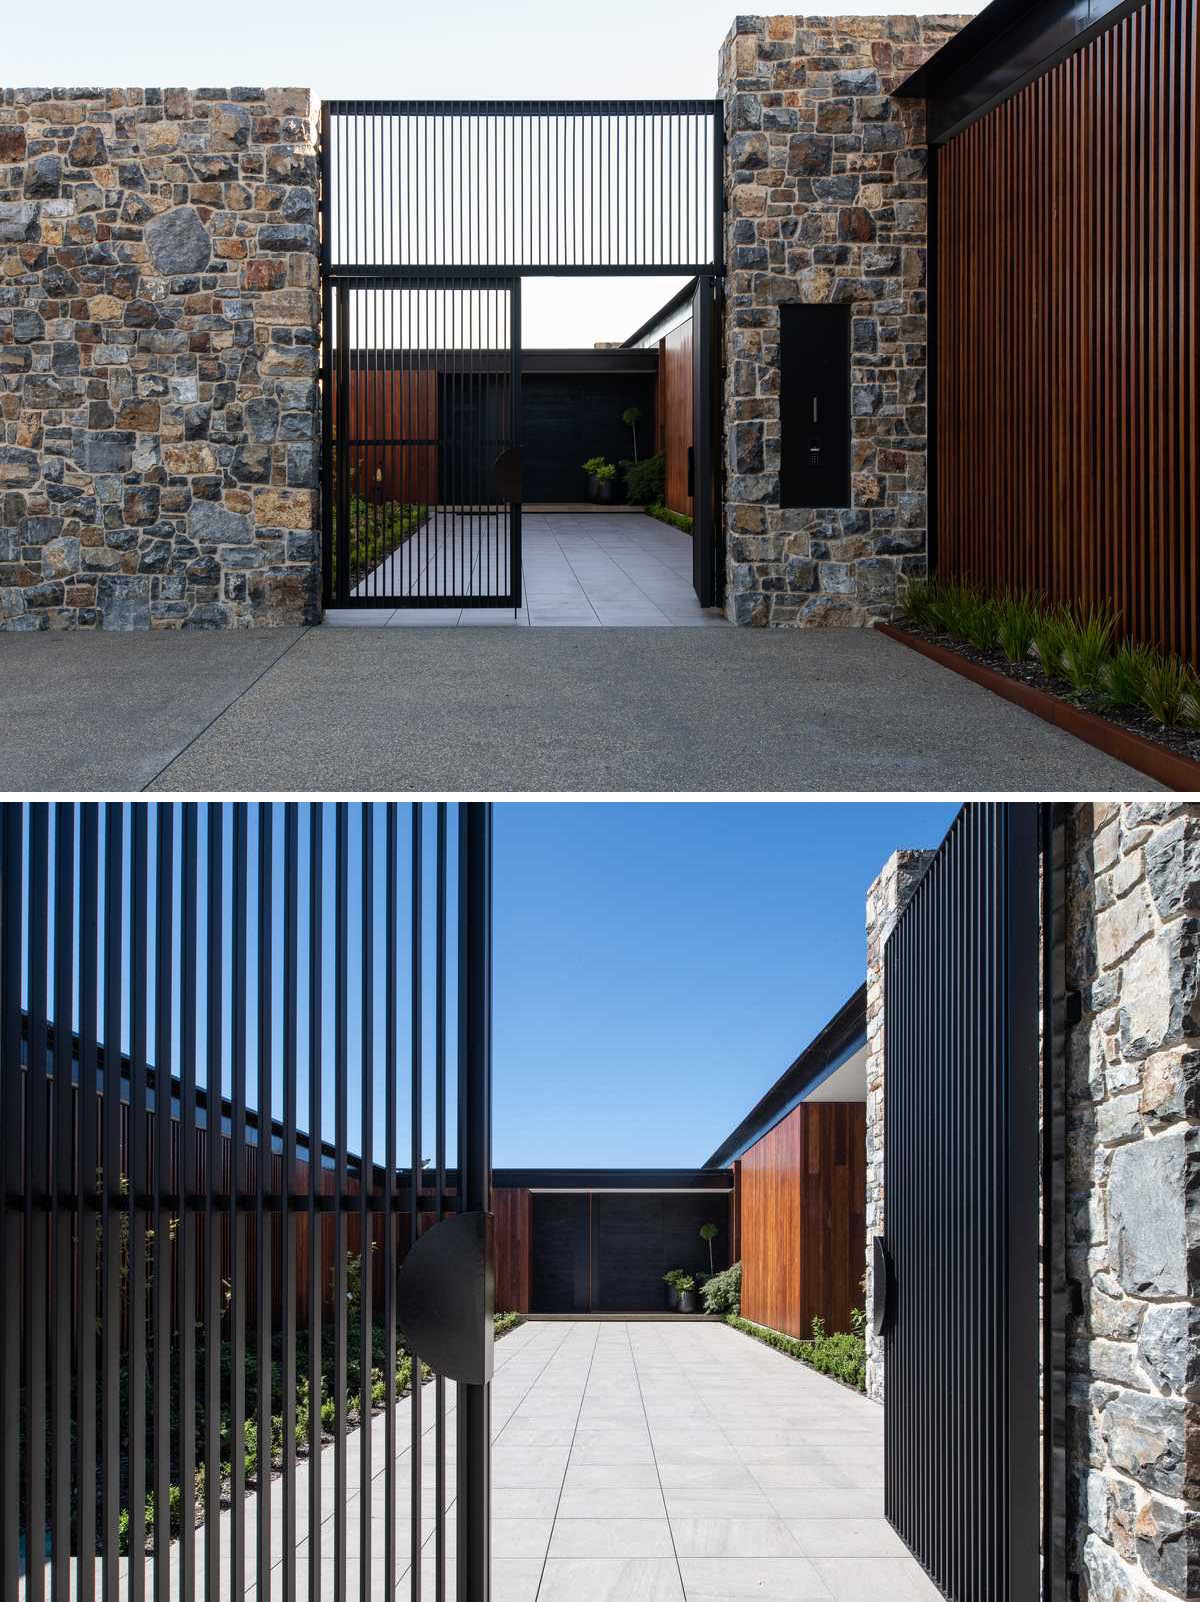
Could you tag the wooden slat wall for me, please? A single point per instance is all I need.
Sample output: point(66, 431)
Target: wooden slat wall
point(393, 405)
point(1068, 237)
point(514, 1226)
point(802, 1205)
point(675, 405)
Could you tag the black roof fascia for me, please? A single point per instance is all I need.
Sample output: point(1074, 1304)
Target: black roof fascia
point(841, 1037)
point(1006, 46)
point(610, 1179)
point(661, 315)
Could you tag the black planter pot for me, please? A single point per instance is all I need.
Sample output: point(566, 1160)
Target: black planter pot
point(672, 1298)
point(687, 1301)
point(601, 490)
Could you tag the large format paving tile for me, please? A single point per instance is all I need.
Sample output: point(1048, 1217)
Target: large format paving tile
point(767, 1579)
point(876, 1579)
point(611, 1538)
point(611, 1580)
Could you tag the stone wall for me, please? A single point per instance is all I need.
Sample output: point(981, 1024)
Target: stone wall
point(886, 900)
point(826, 202)
point(1134, 1191)
point(1133, 1178)
point(159, 322)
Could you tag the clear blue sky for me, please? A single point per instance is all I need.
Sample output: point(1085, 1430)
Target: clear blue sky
point(659, 965)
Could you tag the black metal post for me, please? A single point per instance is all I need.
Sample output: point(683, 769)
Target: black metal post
point(475, 1176)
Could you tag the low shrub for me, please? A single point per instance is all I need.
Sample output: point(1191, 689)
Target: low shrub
point(664, 514)
point(722, 1292)
point(645, 481)
point(1049, 641)
point(1016, 621)
point(917, 602)
point(1124, 676)
point(503, 1322)
point(841, 1356)
point(1170, 691)
point(1085, 649)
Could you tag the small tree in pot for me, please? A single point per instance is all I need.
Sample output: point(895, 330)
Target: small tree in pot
point(709, 1233)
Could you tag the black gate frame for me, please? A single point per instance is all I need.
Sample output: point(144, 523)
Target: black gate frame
point(707, 471)
point(973, 1306)
point(108, 1258)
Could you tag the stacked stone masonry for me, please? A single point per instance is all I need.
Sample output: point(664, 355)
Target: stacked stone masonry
point(1134, 1191)
point(826, 203)
point(159, 323)
point(886, 900)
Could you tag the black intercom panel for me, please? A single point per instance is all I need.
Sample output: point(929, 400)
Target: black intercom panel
point(814, 405)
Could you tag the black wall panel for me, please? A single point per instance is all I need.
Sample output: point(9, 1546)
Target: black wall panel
point(559, 1255)
point(568, 417)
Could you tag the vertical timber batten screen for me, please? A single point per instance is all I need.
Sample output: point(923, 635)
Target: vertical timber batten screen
point(432, 213)
point(962, 1141)
point(147, 1372)
point(1068, 315)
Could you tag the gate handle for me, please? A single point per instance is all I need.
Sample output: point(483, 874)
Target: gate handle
point(446, 1297)
point(508, 474)
point(882, 1281)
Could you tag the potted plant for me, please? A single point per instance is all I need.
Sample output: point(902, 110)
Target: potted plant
point(600, 478)
point(687, 1293)
point(709, 1233)
point(669, 1280)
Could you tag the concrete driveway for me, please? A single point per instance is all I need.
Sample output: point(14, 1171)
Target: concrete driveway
point(517, 709)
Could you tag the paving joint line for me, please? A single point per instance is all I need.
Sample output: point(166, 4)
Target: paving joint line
point(566, 1467)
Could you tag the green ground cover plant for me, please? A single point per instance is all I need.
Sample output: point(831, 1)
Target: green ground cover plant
point(353, 1405)
point(841, 1356)
point(377, 528)
point(1084, 653)
point(664, 514)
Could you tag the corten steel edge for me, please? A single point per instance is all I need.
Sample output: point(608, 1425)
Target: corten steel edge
point(162, 1219)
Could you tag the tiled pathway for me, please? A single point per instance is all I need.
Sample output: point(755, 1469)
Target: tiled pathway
point(641, 1462)
point(579, 570)
point(657, 1462)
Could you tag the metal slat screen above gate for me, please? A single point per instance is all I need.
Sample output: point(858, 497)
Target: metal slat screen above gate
point(432, 212)
point(530, 187)
point(224, 1124)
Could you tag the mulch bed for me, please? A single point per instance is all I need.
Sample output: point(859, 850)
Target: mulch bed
point(1180, 743)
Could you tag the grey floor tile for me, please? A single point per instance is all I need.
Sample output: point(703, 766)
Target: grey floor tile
point(611, 1538)
point(611, 1580)
point(733, 1537)
point(833, 1537)
point(767, 1579)
point(610, 1502)
point(876, 1579)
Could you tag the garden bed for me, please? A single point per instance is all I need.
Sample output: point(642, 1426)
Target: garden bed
point(839, 1357)
point(1170, 755)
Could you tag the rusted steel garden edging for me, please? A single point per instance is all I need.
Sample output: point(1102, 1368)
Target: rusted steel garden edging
point(1168, 767)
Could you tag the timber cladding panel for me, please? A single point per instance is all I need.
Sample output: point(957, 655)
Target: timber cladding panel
point(802, 1223)
point(514, 1234)
point(676, 369)
point(1066, 311)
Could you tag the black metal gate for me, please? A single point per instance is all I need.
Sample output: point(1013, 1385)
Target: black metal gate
point(432, 214)
point(963, 1159)
point(227, 1257)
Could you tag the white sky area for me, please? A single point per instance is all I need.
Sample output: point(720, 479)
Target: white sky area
point(525, 49)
